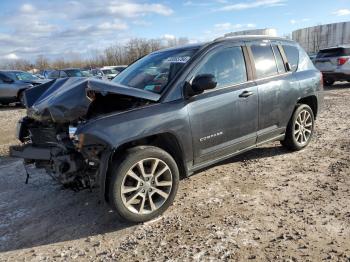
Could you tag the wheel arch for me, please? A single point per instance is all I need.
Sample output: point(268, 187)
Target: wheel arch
point(20, 91)
point(166, 141)
point(311, 101)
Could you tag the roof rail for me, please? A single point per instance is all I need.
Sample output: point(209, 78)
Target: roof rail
point(267, 37)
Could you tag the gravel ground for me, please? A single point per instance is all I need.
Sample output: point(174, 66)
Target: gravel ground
point(267, 204)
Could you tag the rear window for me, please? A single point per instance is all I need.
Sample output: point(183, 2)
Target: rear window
point(332, 52)
point(292, 54)
point(264, 59)
point(73, 73)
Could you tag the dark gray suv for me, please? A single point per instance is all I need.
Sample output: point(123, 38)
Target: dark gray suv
point(168, 115)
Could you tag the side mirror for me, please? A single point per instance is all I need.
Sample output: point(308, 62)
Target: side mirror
point(201, 83)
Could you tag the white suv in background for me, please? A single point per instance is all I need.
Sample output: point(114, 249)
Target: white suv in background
point(334, 63)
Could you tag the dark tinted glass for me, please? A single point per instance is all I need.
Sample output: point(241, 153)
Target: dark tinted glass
point(292, 54)
point(279, 60)
point(53, 74)
point(332, 52)
point(73, 73)
point(63, 74)
point(227, 65)
point(264, 59)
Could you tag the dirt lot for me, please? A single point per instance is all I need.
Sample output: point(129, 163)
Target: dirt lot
point(268, 204)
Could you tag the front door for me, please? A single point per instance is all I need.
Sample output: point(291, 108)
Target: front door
point(223, 120)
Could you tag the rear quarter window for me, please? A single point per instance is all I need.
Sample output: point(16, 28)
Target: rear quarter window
point(292, 53)
point(305, 62)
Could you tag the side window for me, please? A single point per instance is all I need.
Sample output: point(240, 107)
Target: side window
point(63, 74)
point(227, 65)
point(292, 54)
point(279, 60)
point(304, 61)
point(53, 74)
point(264, 59)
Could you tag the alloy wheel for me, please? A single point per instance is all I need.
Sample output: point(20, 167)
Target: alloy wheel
point(146, 186)
point(303, 127)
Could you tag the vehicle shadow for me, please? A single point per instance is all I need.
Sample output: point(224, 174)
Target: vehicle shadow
point(254, 154)
point(10, 107)
point(337, 86)
point(42, 213)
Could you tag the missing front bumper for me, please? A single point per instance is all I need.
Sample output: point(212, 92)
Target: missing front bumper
point(30, 152)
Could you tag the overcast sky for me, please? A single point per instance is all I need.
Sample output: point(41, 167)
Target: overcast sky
point(65, 28)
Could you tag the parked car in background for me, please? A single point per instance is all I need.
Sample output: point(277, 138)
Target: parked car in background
point(110, 73)
point(170, 114)
point(86, 73)
point(13, 83)
point(98, 73)
point(23, 76)
point(334, 64)
point(45, 73)
point(67, 72)
point(118, 69)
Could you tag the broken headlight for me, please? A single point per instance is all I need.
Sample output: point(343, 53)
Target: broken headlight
point(72, 131)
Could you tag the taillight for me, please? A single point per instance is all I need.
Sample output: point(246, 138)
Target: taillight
point(342, 60)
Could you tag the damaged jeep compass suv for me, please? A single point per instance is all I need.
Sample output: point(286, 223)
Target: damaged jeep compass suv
point(168, 115)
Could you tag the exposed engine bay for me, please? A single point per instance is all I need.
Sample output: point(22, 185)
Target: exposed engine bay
point(52, 148)
point(48, 132)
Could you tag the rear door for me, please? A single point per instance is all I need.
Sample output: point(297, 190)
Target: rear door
point(275, 88)
point(7, 89)
point(223, 120)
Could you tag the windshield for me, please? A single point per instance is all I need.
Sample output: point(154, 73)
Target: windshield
point(109, 71)
point(73, 72)
point(155, 71)
point(23, 76)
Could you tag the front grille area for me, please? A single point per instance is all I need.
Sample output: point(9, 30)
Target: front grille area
point(43, 135)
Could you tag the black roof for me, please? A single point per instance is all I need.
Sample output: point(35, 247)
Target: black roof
point(227, 38)
point(251, 38)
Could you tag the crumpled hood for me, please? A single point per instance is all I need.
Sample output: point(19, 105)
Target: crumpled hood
point(64, 100)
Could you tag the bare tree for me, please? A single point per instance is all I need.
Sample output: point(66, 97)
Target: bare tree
point(113, 55)
point(41, 62)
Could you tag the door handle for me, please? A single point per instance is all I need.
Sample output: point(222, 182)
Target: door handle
point(245, 94)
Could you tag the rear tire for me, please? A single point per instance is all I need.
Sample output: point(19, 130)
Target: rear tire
point(143, 183)
point(329, 82)
point(21, 99)
point(300, 128)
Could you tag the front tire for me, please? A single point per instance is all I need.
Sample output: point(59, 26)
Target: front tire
point(300, 128)
point(143, 183)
